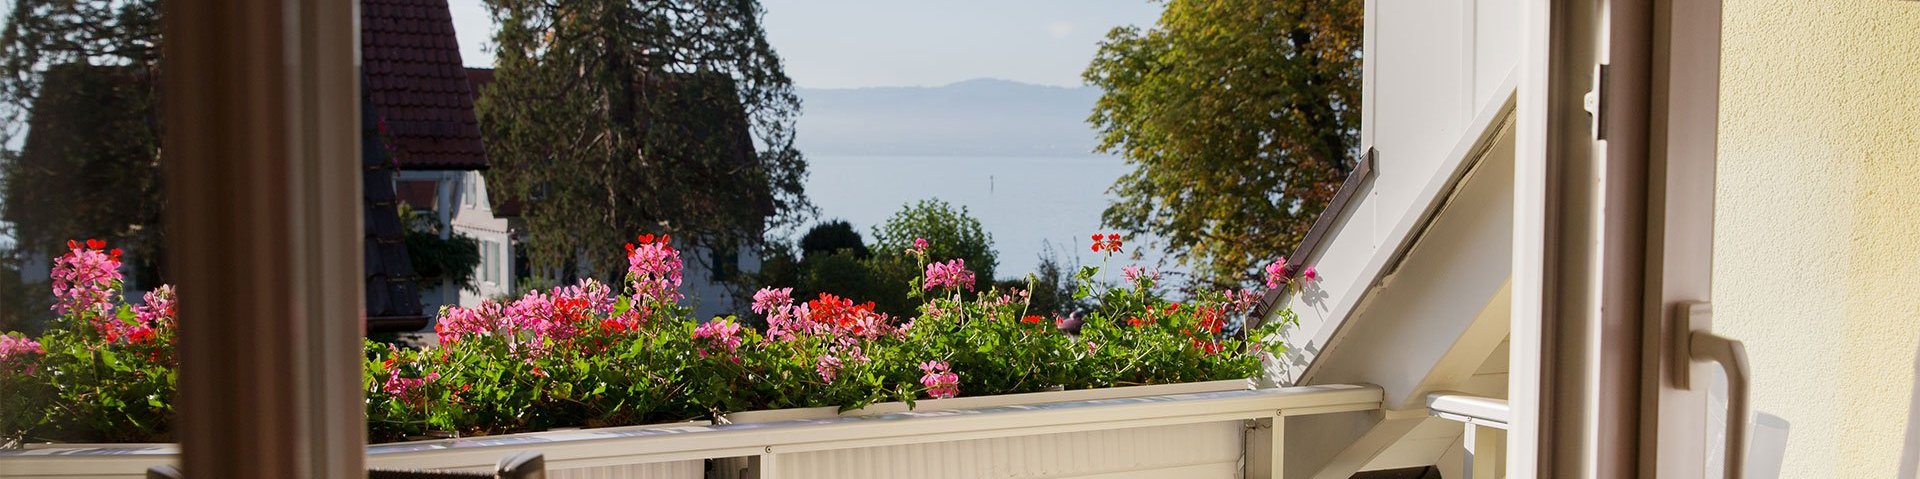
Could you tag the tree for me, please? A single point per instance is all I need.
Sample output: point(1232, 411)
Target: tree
point(617, 117)
point(833, 237)
point(950, 233)
point(1240, 119)
point(79, 129)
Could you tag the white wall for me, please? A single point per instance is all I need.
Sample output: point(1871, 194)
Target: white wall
point(1817, 224)
point(449, 188)
point(1434, 73)
point(475, 219)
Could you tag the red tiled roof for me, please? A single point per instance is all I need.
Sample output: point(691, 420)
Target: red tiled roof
point(417, 85)
point(478, 78)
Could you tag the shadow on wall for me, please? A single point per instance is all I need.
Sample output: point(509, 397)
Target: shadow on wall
point(1910, 455)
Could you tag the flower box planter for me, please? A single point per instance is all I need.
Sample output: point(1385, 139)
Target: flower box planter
point(1070, 454)
point(1201, 434)
point(130, 460)
point(976, 402)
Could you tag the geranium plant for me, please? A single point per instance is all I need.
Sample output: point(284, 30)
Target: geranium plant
point(593, 354)
point(104, 370)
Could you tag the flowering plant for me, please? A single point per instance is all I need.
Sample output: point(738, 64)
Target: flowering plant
point(103, 371)
point(592, 355)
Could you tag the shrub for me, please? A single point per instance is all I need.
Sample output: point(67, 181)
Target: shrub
point(454, 259)
point(950, 232)
point(833, 237)
point(103, 371)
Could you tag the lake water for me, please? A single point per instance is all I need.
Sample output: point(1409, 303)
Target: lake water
point(1024, 202)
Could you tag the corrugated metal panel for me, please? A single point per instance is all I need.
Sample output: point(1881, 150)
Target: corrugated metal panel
point(1187, 450)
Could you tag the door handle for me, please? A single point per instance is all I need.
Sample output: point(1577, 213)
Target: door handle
point(1698, 343)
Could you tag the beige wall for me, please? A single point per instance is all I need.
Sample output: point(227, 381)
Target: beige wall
point(1817, 249)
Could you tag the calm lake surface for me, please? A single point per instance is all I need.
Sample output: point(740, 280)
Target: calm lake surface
point(1024, 202)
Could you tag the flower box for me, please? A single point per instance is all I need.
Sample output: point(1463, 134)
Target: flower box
point(1201, 435)
point(1075, 445)
point(976, 402)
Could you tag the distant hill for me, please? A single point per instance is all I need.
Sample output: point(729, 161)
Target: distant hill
point(971, 118)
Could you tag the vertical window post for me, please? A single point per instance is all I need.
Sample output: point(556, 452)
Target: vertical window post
point(262, 172)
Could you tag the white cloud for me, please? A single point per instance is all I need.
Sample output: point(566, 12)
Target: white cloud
point(1060, 29)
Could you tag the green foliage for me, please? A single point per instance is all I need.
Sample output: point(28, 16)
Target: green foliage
point(882, 274)
point(611, 117)
point(1238, 117)
point(1053, 285)
point(833, 237)
point(950, 232)
point(453, 259)
point(102, 374)
point(881, 278)
point(107, 391)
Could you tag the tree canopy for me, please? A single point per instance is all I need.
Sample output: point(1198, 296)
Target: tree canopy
point(1240, 119)
point(951, 233)
point(79, 128)
point(615, 117)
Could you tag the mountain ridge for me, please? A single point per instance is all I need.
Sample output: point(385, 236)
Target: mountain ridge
point(974, 117)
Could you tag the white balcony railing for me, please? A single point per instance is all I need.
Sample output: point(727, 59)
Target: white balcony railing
point(1179, 435)
point(1485, 421)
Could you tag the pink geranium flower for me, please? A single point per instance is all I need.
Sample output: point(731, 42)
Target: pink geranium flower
point(86, 280)
point(1277, 273)
point(719, 333)
point(410, 390)
point(827, 366)
point(769, 300)
point(951, 274)
point(17, 346)
point(654, 269)
point(940, 381)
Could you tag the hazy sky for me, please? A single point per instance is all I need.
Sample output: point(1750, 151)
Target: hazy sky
point(860, 43)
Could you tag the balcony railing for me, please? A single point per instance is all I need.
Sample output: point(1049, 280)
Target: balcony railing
point(1180, 435)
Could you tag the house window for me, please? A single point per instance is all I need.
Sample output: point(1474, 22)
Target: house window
point(467, 191)
point(494, 264)
point(726, 262)
point(489, 261)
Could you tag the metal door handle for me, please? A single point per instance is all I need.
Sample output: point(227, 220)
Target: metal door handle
point(1696, 343)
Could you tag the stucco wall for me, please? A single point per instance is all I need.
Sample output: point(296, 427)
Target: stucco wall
point(1817, 234)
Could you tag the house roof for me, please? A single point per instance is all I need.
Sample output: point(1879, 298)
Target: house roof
point(392, 294)
point(417, 86)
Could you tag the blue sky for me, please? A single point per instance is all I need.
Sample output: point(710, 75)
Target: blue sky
point(863, 43)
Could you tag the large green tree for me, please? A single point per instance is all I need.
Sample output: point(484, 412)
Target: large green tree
point(79, 136)
point(616, 117)
point(1240, 119)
